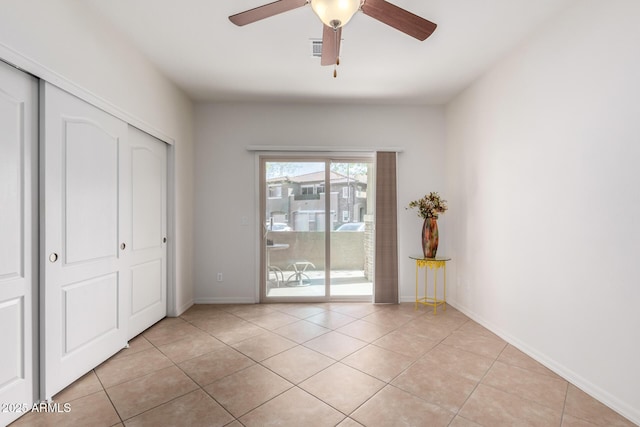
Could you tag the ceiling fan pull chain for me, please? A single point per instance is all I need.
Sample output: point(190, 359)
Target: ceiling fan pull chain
point(335, 67)
point(337, 46)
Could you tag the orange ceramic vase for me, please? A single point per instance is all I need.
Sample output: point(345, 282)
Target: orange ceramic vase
point(430, 237)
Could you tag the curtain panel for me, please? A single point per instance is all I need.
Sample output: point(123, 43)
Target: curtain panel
point(386, 265)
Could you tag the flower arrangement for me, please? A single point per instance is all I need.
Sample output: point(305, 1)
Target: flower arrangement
point(430, 206)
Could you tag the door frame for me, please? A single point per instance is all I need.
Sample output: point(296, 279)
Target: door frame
point(321, 157)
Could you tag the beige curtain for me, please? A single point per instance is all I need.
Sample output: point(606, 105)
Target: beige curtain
point(386, 276)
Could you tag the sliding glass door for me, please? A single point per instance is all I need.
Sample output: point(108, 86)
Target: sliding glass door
point(317, 219)
point(351, 239)
point(294, 244)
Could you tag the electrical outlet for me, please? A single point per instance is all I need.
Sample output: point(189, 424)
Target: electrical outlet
point(219, 277)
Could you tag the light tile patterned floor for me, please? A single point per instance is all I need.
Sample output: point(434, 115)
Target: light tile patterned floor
point(322, 365)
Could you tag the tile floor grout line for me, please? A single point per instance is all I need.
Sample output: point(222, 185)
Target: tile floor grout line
point(526, 399)
point(222, 377)
point(326, 403)
point(167, 402)
point(365, 401)
point(385, 383)
point(478, 382)
point(305, 379)
point(157, 406)
point(108, 396)
point(218, 402)
point(262, 404)
point(201, 387)
point(529, 372)
point(343, 364)
point(297, 385)
point(564, 404)
point(441, 342)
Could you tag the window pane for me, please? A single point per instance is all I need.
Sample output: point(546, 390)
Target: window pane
point(352, 247)
point(295, 225)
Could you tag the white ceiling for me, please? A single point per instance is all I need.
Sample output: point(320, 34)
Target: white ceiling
point(195, 45)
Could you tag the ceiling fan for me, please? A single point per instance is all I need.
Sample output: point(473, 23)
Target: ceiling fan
point(334, 14)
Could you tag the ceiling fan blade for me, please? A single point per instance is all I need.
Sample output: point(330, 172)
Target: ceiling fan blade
point(330, 45)
point(399, 18)
point(265, 11)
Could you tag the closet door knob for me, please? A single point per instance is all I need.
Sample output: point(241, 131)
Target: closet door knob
point(122, 246)
point(53, 257)
point(164, 240)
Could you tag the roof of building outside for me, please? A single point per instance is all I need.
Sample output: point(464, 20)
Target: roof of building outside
point(318, 177)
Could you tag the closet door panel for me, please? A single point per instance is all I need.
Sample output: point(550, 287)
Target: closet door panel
point(18, 239)
point(148, 195)
point(149, 225)
point(90, 192)
point(86, 229)
point(146, 288)
point(90, 309)
point(11, 175)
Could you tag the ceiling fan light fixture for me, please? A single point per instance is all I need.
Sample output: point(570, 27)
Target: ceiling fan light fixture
point(335, 13)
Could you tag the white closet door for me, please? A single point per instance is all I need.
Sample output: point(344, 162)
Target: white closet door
point(149, 225)
point(18, 239)
point(86, 187)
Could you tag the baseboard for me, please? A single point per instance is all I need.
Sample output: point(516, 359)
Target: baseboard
point(624, 409)
point(228, 300)
point(186, 306)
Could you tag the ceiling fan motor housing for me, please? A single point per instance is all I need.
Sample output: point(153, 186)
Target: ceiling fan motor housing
point(335, 13)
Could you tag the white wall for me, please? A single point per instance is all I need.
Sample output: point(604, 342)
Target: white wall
point(543, 158)
point(64, 42)
point(226, 177)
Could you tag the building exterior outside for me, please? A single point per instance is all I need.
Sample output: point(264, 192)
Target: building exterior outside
point(299, 201)
point(297, 204)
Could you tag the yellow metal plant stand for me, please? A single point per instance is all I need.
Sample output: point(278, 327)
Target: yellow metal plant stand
point(434, 264)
